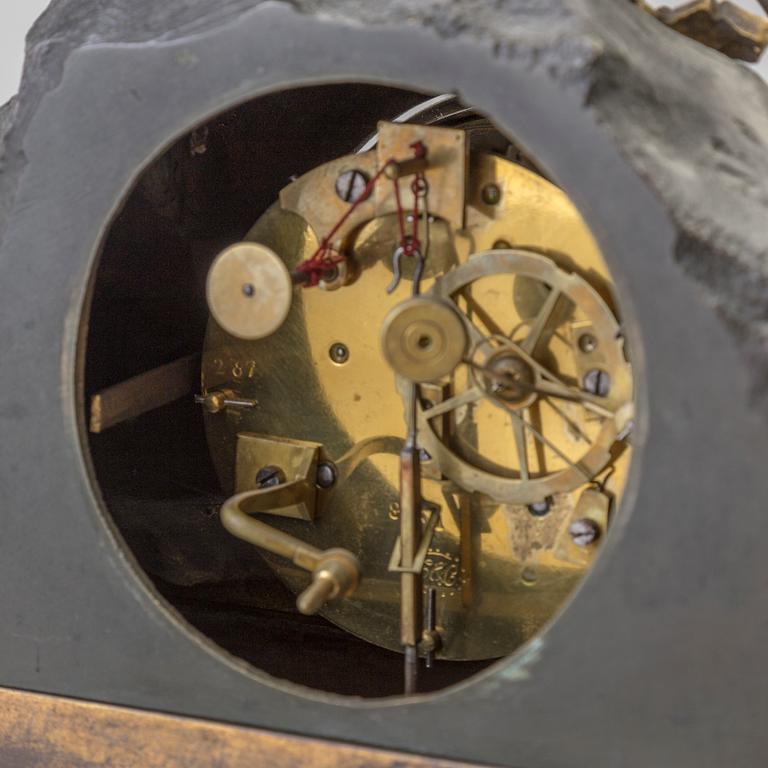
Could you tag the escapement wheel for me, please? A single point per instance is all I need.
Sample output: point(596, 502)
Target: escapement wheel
point(549, 372)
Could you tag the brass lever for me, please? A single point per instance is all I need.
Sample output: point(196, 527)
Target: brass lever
point(335, 572)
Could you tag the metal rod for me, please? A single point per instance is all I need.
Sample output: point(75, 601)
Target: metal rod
point(474, 307)
point(431, 622)
point(471, 395)
point(300, 278)
point(518, 430)
point(468, 555)
point(549, 444)
point(411, 670)
point(540, 321)
point(397, 169)
point(410, 536)
point(411, 586)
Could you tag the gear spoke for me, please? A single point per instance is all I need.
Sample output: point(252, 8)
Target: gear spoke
point(562, 391)
point(555, 389)
point(540, 321)
point(477, 309)
point(570, 423)
point(518, 429)
point(536, 418)
point(471, 395)
point(549, 444)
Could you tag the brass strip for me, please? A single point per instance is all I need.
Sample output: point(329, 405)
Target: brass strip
point(144, 392)
point(38, 729)
point(396, 559)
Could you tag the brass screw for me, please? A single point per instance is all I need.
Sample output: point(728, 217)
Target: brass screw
point(584, 532)
point(269, 477)
point(540, 508)
point(597, 382)
point(213, 402)
point(350, 185)
point(491, 194)
point(326, 475)
point(218, 400)
point(502, 245)
point(339, 353)
point(587, 343)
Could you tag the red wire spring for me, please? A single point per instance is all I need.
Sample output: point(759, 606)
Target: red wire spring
point(320, 262)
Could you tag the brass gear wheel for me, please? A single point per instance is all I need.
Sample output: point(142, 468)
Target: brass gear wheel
point(556, 388)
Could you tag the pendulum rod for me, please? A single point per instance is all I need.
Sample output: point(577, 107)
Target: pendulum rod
point(410, 537)
point(411, 612)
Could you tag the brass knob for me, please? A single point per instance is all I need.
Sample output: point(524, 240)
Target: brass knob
point(336, 575)
point(249, 290)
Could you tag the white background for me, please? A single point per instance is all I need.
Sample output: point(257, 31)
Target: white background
point(18, 15)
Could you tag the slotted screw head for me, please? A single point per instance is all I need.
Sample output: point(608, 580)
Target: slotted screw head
point(597, 382)
point(351, 185)
point(269, 477)
point(584, 532)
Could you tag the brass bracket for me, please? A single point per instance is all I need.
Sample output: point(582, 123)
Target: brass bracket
point(335, 572)
point(446, 171)
point(296, 459)
point(314, 197)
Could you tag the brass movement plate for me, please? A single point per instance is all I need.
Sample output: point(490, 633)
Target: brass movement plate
point(500, 572)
